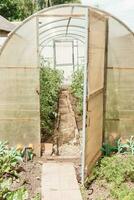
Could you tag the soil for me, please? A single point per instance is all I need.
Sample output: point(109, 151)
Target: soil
point(78, 116)
point(98, 189)
point(30, 177)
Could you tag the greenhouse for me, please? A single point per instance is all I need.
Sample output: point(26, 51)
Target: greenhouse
point(67, 37)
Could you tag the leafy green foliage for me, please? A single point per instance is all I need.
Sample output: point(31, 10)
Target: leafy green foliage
point(108, 149)
point(116, 171)
point(50, 83)
point(83, 192)
point(20, 194)
point(127, 147)
point(17, 9)
point(119, 146)
point(10, 159)
point(123, 192)
point(21, 9)
point(27, 154)
point(77, 89)
point(56, 2)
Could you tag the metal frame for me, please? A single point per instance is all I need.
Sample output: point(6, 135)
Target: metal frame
point(85, 100)
point(61, 26)
point(56, 21)
point(81, 33)
point(63, 34)
point(60, 36)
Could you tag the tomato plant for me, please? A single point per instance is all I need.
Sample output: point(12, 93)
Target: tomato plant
point(77, 89)
point(50, 83)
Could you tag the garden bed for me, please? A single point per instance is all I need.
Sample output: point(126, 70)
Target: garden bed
point(20, 174)
point(112, 179)
point(30, 178)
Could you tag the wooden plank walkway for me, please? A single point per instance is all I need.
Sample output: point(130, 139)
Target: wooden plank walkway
point(59, 182)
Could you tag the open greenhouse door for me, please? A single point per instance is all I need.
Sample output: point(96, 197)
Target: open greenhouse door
point(96, 72)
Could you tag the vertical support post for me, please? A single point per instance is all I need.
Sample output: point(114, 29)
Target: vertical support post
point(38, 66)
point(85, 97)
point(37, 39)
point(54, 53)
point(105, 76)
point(73, 55)
point(77, 55)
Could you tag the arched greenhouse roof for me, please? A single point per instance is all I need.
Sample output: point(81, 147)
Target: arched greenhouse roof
point(62, 21)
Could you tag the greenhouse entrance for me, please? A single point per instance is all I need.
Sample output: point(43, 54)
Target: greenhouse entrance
point(74, 40)
point(64, 40)
point(61, 40)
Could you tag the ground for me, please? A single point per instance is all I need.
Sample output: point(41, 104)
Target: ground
point(30, 177)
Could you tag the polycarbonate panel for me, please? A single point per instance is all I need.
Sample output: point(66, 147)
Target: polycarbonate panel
point(19, 83)
point(96, 51)
point(64, 52)
point(21, 48)
point(121, 43)
point(96, 68)
point(120, 81)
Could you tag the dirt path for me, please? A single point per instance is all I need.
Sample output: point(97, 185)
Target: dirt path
point(68, 131)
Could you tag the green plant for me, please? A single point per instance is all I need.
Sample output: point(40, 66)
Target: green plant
point(130, 143)
point(77, 89)
point(127, 147)
point(122, 193)
point(50, 84)
point(83, 192)
point(115, 169)
point(27, 153)
point(116, 173)
point(10, 159)
point(19, 194)
point(108, 149)
point(122, 148)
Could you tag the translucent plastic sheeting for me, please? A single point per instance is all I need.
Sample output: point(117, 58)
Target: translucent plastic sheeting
point(21, 47)
point(19, 83)
point(19, 107)
point(64, 52)
point(120, 81)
